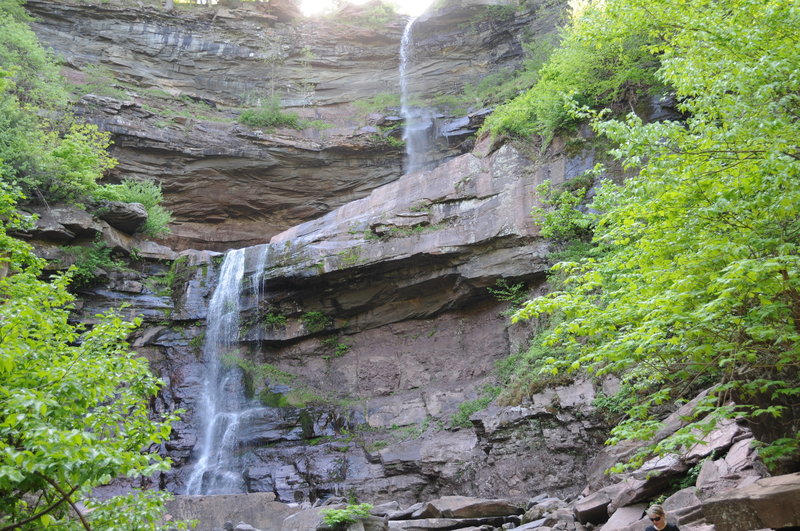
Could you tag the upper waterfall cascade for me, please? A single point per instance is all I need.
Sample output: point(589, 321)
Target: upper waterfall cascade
point(418, 120)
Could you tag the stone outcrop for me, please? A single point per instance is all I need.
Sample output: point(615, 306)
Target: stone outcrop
point(127, 217)
point(170, 85)
point(768, 503)
point(56, 228)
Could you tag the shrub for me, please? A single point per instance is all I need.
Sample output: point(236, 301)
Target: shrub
point(269, 114)
point(275, 319)
point(89, 261)
point(315, 321)
point(148, 193)
point(338, 518)
point(461, 418)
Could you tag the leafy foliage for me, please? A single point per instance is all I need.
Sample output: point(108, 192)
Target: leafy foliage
point(273, 319)
point(337, 347)
point(460, 418)
point(315, 321)
point(700, 276)
point(80, 158)
point(269, 114)
point(88, 261)
point(46, 152)
point(560, 216)
point(73, 404)
point(34, 72)
point(62, 159)
point(598, 63)
point(338, 518)
point(147, 193)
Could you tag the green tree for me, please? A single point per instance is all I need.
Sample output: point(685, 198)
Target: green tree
point(73, 404)
point(600, 62)
point(699, 284)
point(48, 153)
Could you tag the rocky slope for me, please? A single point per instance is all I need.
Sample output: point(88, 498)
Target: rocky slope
point(171, 84)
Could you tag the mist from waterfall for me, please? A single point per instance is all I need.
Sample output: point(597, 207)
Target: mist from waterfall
point(418, 121)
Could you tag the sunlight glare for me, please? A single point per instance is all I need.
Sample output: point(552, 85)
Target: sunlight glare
point(406, 7)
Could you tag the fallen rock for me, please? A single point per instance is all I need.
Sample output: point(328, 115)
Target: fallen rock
point(258, 509)
point(424, 524)
point(625, 517)
point(242, 526)
point(466, 507)
point(593, 508)
point(768, 503)
point(305, 520)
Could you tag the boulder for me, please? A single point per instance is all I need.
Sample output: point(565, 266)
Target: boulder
point(768, 503)
point(260, 510)
point(305, 520)
point(374, 523)
point(624, 517)
point(593, 508)
point(466, 507)
point(127, 217)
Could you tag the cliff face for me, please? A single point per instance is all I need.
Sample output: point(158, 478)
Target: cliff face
point(393, 269)
point(405, 332)
point(169, 87)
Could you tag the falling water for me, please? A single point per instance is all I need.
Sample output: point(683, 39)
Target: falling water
point(416, 133)
point(223, 403)
point(257, 280)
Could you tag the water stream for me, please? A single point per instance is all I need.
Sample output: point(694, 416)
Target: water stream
point(418, 120)
point(223, 404)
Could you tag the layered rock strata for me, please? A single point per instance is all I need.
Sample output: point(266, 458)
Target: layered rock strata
point(170, 85)
point(406, 331)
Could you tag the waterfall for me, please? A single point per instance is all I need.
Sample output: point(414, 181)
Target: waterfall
point(223, 402)
point(418, 121)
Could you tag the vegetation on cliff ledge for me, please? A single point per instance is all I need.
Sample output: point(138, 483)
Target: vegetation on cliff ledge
point(694, 277)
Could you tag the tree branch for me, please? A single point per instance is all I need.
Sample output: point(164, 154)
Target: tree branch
point(41, 513)
point(68, 500)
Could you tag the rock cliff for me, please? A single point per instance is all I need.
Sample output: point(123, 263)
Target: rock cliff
point(362, 397)
point(169, 86)
point(366, 337)
point(395, 270)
